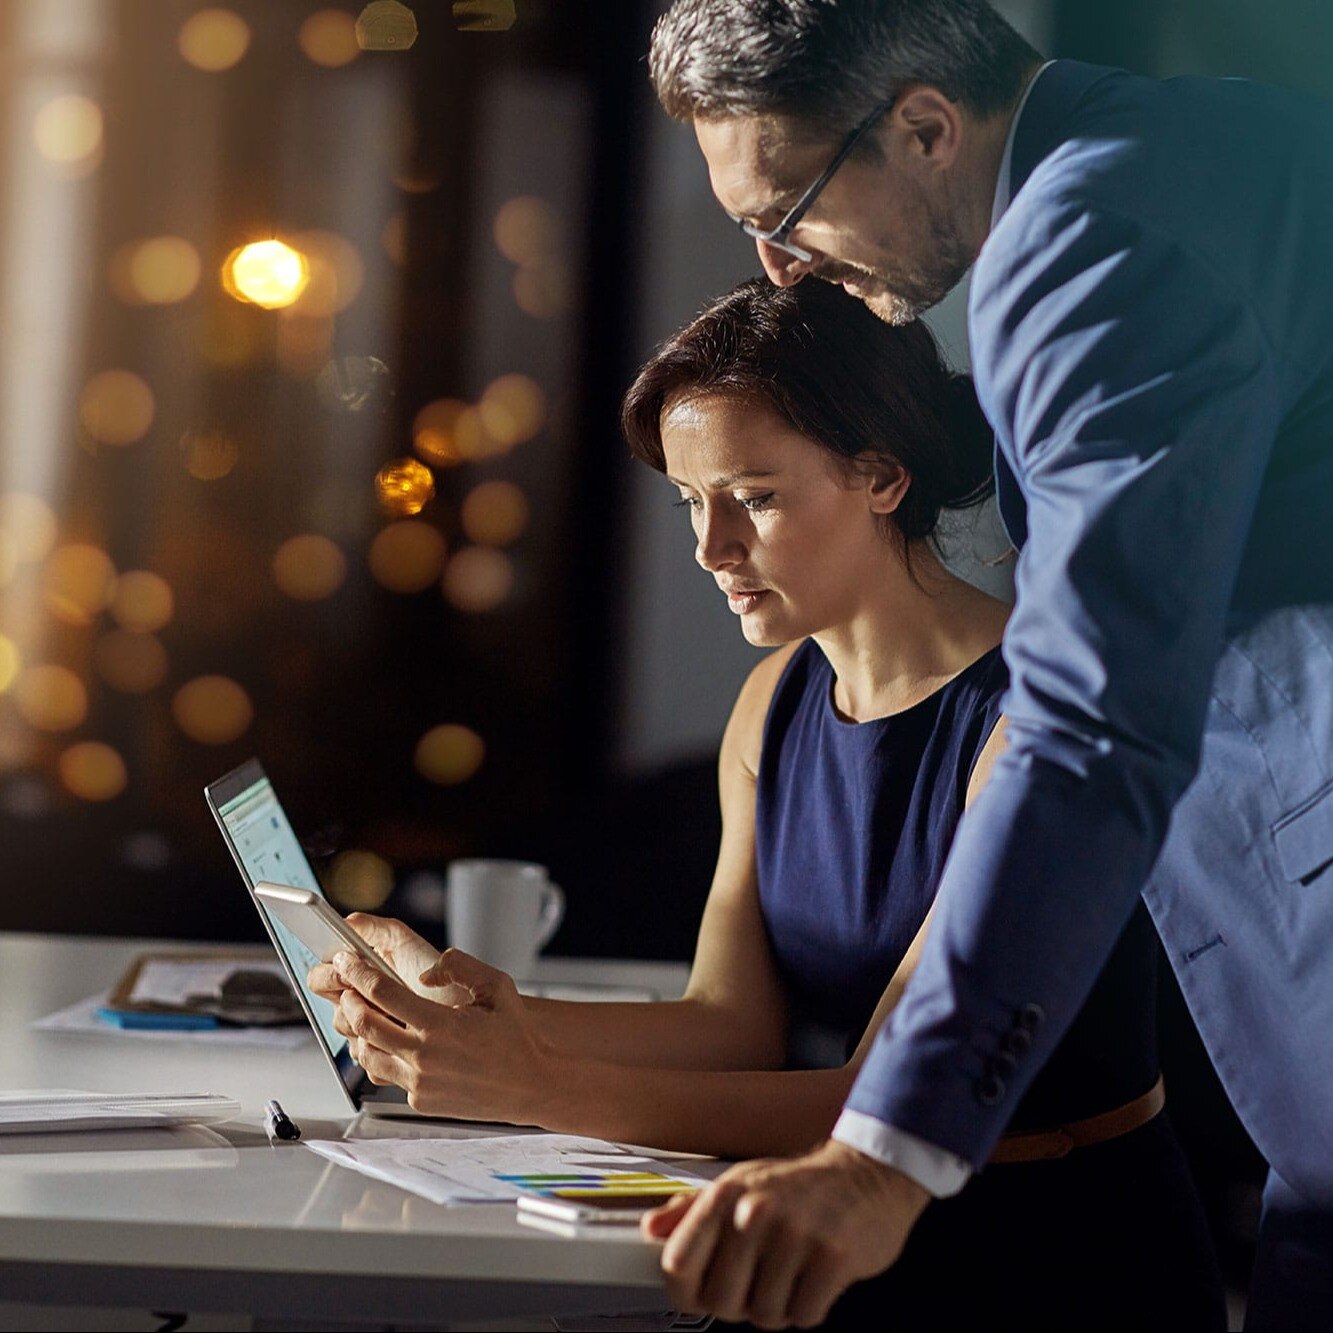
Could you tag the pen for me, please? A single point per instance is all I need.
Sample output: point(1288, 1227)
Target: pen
point(279, 1125)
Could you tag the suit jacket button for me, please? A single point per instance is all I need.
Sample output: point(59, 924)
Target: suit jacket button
point(1016, 1042)
point(989, 1089)
point(1031, 1017)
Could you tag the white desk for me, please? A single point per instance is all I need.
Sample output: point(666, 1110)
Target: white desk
point(203, 1221)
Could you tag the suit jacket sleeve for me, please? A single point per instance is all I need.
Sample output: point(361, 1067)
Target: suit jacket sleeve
point(1133, 394)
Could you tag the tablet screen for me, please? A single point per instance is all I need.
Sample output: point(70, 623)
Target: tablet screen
point(266, 848)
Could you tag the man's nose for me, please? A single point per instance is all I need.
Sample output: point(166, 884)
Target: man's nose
point(783, 268)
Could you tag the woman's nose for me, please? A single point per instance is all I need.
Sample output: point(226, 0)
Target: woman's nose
point(717, 546)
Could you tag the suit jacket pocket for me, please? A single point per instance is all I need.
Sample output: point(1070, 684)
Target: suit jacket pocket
point(1304, 837)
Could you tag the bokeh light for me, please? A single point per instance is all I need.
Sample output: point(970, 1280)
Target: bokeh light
point(407, 556)
point(10, 662)
point(143, 601)
point(353, 383)
point(68, 131)
point(404, 487)
point(214, 40)
point(50, 698)
point(542, 290)
point(93, 771)
point(435, 431)
point(495, 513)
point(386, 25)
point(478, 578)
point(116, 407)
point(213, 710)
point(328, 38)
point(78, 583)
point(270, 274)
point(208, 455)
point(309, 568)
point(129, 662)
point(513, 409)
point(525, 230)
point(304, 344)
point(29, 526)
point(359, 880)
point(449, 754)
point(336, 273)
point(157, 271)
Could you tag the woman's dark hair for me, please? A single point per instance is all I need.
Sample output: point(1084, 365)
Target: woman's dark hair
point(843, 378)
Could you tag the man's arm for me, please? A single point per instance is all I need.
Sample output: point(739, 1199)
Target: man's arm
point(1135, 397)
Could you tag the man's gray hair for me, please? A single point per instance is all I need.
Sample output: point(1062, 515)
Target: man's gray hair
point(828, 63)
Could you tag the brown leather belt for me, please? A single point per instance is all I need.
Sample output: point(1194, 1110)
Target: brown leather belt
point(1037, 1145)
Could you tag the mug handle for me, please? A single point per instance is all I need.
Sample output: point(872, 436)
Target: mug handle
point(553, 913)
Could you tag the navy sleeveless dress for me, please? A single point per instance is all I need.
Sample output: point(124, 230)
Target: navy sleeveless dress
point(853, 825)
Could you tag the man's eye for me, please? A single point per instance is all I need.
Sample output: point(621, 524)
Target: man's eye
point(754, 503)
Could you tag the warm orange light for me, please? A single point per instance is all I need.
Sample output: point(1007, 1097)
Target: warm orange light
point(525, 230)
point(68, 131)
point(449, 754)
point(336, 273)
point(143, 601)
point(359, 881)
point(513, 409)
point(270, 274)
point(478, 579)
point(116, 407)
point(78, 583)
point(386, 25)
point(131, 663)
point(213, 710)
point(93, 771)
point(10, 663)
point(542, 290)
point(435, 430)
point(309, 568)
point(304, 344)
point(407, 557)
point(157, 271)
point(29, 525)
point(328, 37)
point(495, 513)
point(214, 40)
point(404, 487)
point(208, 455)
point(51, 698)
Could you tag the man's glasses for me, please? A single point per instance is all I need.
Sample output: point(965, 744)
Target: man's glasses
point(777, 236)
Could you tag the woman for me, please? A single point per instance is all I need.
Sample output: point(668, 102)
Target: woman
point(814, 448)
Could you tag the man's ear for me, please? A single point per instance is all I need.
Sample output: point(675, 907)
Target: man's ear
point(932, 124)
point(886, 483)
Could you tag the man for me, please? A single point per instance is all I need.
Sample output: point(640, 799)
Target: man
point(1151, 323)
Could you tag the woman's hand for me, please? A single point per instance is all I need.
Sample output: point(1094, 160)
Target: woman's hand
point(480, 1060)
point(401, 947)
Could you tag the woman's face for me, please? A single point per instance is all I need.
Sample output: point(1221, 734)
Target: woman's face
point(789, 533)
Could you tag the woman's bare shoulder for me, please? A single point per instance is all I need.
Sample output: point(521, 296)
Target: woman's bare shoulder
point(745, 731)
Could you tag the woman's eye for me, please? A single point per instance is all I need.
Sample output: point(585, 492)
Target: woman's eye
point(756, 502)
point(692, 501)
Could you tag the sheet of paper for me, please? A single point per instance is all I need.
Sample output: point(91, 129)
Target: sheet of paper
point(164, 981)
point(471, 1170)
point(82, 1017)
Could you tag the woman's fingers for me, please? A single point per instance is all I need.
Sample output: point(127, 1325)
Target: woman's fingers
point(323, 980)
point(454, 967)
point(661, 1222)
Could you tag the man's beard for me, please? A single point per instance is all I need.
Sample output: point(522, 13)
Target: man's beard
point(901, 296)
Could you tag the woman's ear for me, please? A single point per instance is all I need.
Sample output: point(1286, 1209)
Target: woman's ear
point(886, 484)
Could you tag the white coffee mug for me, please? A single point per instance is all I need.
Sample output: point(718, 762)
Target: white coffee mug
point(503, 912)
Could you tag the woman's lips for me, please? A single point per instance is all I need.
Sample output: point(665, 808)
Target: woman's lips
point(743, 602)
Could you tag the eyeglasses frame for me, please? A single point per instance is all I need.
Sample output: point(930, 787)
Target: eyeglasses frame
point(777, 236)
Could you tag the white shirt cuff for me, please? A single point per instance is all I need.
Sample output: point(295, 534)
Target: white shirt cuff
point(935, 1169)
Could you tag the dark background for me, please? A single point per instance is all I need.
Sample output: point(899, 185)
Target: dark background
point(600, 682)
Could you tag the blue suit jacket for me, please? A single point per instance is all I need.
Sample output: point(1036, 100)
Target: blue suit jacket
point(1151, 324)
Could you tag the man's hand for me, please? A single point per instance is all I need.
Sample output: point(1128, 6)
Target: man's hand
point(777, 1242)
